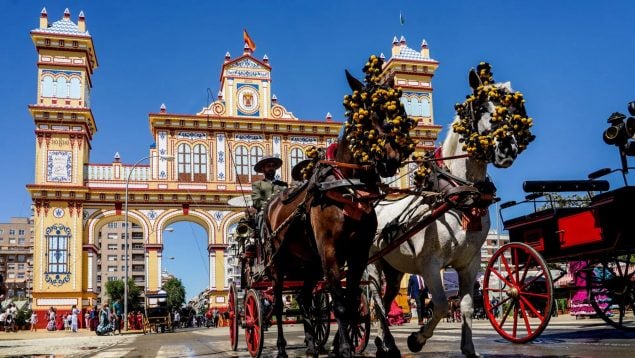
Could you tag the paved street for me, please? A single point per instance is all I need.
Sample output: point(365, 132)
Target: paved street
point(564, 337)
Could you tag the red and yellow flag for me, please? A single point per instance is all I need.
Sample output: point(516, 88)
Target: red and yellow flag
point(249, 41)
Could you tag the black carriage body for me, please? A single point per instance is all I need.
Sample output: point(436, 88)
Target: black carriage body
point(605, 225)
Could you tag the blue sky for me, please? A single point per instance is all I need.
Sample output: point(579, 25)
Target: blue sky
point(573, 61)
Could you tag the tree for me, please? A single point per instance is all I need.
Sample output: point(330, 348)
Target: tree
point(176, 293)
point(115, 290)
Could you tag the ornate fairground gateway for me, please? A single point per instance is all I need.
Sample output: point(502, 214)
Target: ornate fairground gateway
point(213, 150)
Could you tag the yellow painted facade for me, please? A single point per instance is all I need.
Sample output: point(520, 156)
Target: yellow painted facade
point(214, 151)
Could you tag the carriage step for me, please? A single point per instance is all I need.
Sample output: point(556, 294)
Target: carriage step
point(534, 186)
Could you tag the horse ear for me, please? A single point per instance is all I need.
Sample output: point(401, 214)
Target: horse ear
point(353, 82)
point(475, 81)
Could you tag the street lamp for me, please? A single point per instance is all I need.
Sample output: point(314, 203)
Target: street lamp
point(125, 282)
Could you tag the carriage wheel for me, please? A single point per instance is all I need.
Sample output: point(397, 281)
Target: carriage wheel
point(320, 317)
point(233, 317)
point(518, 278)
point(254, 327)
point(612, 291)
point(359, 332)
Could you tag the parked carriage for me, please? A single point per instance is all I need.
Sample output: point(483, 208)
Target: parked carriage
point(157, 318)
point(520, 274)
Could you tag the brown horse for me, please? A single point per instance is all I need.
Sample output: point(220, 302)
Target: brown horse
point(325, 229)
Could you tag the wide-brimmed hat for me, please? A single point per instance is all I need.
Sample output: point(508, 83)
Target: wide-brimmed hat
point(259, 166)
point(296, 172)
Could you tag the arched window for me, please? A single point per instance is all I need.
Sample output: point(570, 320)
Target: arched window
point(47, 86)
point(255, 156)
point(295, 156)
point(184, 162)
point(75, 88)
point(62, 88)
point(242, 164)
point(57, 237)
point(200, 163)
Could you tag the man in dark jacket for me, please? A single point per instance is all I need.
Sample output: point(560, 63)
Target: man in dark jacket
point(418, 292)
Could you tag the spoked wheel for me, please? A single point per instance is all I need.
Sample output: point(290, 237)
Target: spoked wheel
point(233, 317)
point(254, 328)
point(612, 291)
point(518, 285)
point(359, 332)
point(320, 317)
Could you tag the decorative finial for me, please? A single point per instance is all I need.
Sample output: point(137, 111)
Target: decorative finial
point(274, 99)
point(424, 43)
point(329, 117)
point(381, 55)
point(67, 14)
point(220, 94)
point(394, 40)
point(402, 40)
point(44, 13)
point(227, 56)
point(117, 157)
point(81, 15)
point(162, 108)
point(265, 58)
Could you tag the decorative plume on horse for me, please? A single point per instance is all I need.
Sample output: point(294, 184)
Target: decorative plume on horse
point(491, 126)
point(324, 229)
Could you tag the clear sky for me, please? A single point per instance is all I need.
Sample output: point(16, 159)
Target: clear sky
point(572, 60)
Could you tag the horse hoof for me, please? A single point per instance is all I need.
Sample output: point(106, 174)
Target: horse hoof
point(413, 343)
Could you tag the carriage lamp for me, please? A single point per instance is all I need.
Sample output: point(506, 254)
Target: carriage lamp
point(616, 132)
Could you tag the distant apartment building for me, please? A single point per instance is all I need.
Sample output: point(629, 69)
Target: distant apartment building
point(16, 256)
point(493, 242)
point(111, 263)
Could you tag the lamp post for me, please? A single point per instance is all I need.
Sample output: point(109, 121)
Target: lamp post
point(126, 233)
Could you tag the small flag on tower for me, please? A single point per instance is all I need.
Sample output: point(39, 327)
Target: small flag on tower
point(249, 41)
point(401, 18)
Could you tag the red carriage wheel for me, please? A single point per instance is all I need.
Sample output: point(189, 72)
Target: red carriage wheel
point(254, 328)
point(233, 317)
point(611, 288)
point(359, 331)
point(320, 317)
point(517, 285)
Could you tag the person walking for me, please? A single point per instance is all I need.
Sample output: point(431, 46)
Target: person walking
point(33, 322)
point(74, 318)
point(417, 292)
point(118, 311)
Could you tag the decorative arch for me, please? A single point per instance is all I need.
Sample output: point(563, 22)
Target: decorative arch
point(100, 218)
point(201, 218)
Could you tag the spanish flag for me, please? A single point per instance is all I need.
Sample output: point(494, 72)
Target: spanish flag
point(249, 41)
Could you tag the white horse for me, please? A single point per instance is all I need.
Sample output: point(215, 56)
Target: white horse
point(446, 242)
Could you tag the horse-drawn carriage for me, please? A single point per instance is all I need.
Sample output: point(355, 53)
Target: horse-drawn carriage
point(157, 318)
point(597, 236)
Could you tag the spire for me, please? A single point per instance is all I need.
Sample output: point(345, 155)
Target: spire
point(44, 19)
point(402, 41)
point(67, 14)
point(81, 23)
point(162, 110)
point(425, 51)
point(227, 56)
point(246, 50)
point(274, 99)
point(117, 157)
point(381, 55)
point(265, 58)
point(329, 117)
point(396, 49)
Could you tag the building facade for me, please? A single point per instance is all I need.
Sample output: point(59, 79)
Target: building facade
point(16, 257)
point(212, 151)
